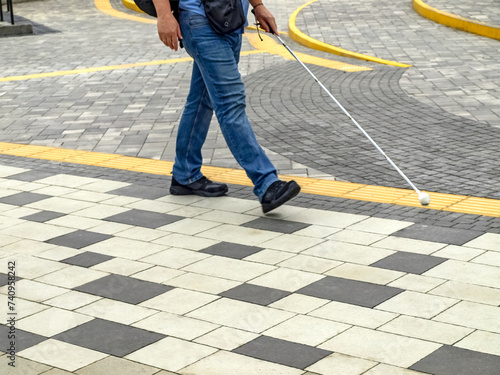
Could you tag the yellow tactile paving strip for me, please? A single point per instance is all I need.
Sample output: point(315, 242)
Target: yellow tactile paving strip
point(339, 189)
point(456, 22)
point(307, 41)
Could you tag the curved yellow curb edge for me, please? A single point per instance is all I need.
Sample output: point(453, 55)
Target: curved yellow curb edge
point(307, 41)
point(456, 22)
point(339, 189)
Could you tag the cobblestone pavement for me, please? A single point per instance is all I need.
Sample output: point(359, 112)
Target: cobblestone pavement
point(487, 11)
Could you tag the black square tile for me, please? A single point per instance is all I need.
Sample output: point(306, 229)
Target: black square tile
point(231, 250)
point(350, 291)
point(282, 226)
point(450, 360)
point(283, 352)
point(21, 199)
point(124, 288)
point(255, 294)
point(43, 216)
point(408, 262)
point(433, 233)
point(109, 337)
point(4, 278)
point(141, 191)
point(146, 219)
point(87, 259)
point(78, 239)
point(23, 339)
point(30, 176)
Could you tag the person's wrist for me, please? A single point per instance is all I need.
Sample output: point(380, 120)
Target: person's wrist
point(256, 5)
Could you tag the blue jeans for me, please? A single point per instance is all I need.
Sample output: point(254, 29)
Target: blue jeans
point(216, 85)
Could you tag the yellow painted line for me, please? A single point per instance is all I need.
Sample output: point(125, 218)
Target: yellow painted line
point(106, 7)
point(307, 41)
point(339, 189)
point(456, 22)
point(272, 47)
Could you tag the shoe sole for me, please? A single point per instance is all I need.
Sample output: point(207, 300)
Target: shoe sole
point(293, 190)
point(179, 190)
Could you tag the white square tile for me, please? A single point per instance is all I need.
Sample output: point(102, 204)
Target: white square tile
point(317, 231)
point(287, 279)
point(176, 326)
point(227, 363)
point(227, 204)
point(481, 341)
point(347, 252)
point(365, 273)
point(67, 180)
point(409, 245)
point(310, 264)
point(351, 314)
point(179, 301)
point(185, 242)
point(299, 303)
point(72, 300)
point(226, 217)
point(104, 186)
point(228, 268)
point(35, 231)
point(356, 237)
point(31, 267)
point(380, 226)
point(35, 291)
point(458, 252)
point(27, 247)
point(417, 283)
point(60, 204)
point(470, 273)
point(491, 258)
point(7, 170)
point(19, 212)
point(61, 355)
point(171, 354)
point(101, 211)
point(116, 311)
point(125, 248)
point(175, 258)
point(383, 369)
point(226, 338)
point(472, 315)
point(241, 315)
point(240, 235)
point(120, 266)
point(23, 307)
point(71, 277)
point(268, 256)
point(75, 222)
point(468, 292)
point(426, 329)
point(380, 346)
point(487, 241)
point(202, 283)
point(58, 253)
point(291, 243)
point(306, 330)
point(52, 321)
point(337, 363)
point(88, 196)
point(188, 211)
point(158, 274)
point(417, 304)
point(189, 226)
point(326, 218)
point(154, 206)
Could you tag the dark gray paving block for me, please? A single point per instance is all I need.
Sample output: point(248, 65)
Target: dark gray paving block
point(146, 219)
point(231, 250)
point(87, 259)
point(283, 352)
point(124, 288)
point(141, 191)
point(43, 216)
point(282, 226)
point(450, 360)
point(26, 197)
point(109, 337)
point(409, 262)
point(350, 291)
point(31, 176)
point(22, 340)
point(4, 278)
point(78, 239)
point(438, 234)
point(255, 294)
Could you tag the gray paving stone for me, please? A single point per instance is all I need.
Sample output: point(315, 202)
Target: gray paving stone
point(282, 226)
point(408, 262)
point(437, 234)
point(231, 250)
point(87, 259)
point(255, 294)
point(79, 239)
point(142, 218)
point(23, 198)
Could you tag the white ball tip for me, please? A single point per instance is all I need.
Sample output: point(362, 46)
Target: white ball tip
point(424, 199)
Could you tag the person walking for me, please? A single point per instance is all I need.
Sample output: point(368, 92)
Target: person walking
point(216, 86)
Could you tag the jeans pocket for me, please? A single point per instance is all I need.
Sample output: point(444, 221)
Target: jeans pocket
point(196, 21)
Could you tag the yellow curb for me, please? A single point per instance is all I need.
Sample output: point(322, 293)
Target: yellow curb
point(339, 189)
point(456, 22)
point(307, 41)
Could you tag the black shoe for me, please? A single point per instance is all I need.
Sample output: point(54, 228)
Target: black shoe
point(278, 193)
point(203, 187)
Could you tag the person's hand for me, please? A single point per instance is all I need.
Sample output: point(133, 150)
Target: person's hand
point(265, 19)
point(169, 30)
